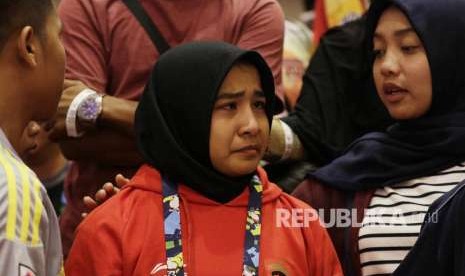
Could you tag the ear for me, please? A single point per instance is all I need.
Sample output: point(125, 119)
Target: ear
point(28, 46)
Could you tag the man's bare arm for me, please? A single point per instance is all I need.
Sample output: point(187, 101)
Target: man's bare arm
point(117, 114)
point(277, 145)
point(105, 146)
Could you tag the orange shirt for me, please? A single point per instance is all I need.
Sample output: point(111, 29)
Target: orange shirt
point(125, 236)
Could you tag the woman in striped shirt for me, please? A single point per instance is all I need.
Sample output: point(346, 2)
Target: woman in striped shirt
point(390, 179)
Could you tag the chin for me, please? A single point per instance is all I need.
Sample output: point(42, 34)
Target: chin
point(398, 117)
point(238, 171)
point(401, 114)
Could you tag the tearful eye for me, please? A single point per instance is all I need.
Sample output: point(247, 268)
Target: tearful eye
point(409, 49)
point(260, 105)
point(230, 106)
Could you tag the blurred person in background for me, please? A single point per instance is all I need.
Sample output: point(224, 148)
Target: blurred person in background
point(47, 161)
point(296, 57)
point(32, 61)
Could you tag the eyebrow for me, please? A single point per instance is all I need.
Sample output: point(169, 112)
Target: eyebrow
point(398, 33)
point(236, 95)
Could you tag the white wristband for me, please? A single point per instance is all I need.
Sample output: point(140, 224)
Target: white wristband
point(288, 140)
point(70, 121)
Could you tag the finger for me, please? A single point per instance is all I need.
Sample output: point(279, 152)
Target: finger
point(83, 215)
point(101, 196)
point(89, 203)
point(108, 187)
point(121, 180)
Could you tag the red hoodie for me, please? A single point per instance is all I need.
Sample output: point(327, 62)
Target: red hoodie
point(125, 236)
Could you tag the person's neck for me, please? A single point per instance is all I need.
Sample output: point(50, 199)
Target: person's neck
point(13, 129)
point(13, 116)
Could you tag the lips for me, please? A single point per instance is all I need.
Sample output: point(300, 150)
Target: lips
point(249, 149)
point(393, 93)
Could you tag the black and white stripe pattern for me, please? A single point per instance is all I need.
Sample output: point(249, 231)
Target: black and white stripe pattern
point(393, 219)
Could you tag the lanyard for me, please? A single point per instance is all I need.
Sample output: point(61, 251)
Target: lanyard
point(172, 225)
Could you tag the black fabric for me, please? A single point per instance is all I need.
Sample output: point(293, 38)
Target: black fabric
point(409, 149)
point(55, 194)
point(338, 102)
point(440, 248)
point(138, 11)
point(174, 115)
point(287, 175)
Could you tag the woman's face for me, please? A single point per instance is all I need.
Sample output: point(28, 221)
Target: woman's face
point(239, 125)
point(400, 69)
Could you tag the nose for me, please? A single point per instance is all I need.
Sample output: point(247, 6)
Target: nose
point(390, 64)
point(33, 128)
point(248, 123)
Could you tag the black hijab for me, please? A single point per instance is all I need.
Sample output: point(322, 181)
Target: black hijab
point(431, 143)
point(174, 114)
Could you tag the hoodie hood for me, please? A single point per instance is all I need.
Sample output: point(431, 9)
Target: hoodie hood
point(149, 179)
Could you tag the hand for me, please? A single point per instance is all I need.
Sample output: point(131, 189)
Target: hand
point(70, 90)
point(107, 191)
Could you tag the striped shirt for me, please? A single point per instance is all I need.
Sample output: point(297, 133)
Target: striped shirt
point(29, 236)
point(394, 217)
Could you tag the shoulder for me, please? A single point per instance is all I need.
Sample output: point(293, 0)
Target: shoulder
point(107, 236)
point(69, 5)
point(293, 202)
point(310, 190)
point(351, 34)
point(450, 204)
point(272, 5)
point(440, 238)
point(28, 224)
point(303, 217)
point(262, 11)
point(24, 206)
point(442, 219)
point(128, 205)
point(89, 16)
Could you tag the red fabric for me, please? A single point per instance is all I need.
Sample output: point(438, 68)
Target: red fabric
point(320, 24)
point(325, 198)
point(108, 50)
point(124, 236)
